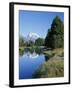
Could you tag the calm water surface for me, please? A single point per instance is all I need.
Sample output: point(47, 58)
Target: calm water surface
point(29, 63)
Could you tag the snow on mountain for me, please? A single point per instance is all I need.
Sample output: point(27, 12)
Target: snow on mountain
point(32, 36)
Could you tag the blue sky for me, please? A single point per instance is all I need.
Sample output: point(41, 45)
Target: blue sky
point(37, 21)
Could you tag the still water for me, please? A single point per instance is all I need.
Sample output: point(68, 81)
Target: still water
point(29, 63)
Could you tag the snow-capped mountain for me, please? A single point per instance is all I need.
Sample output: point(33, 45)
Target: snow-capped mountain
point(32, 36)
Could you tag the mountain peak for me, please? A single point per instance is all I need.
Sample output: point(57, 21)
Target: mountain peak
point(32, 36)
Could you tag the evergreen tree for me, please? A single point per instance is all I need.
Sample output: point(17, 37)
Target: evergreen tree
point(39, 42)
point(55, 35)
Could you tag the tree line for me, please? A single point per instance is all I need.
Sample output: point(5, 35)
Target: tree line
point(38, 42)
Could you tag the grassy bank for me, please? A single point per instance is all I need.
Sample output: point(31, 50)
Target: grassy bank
point(55, 52)
point(51, 68)
point(54, 67)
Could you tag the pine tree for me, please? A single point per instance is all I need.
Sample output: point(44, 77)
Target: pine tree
point(55, 35)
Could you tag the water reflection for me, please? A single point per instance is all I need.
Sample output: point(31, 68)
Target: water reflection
point(29, 63)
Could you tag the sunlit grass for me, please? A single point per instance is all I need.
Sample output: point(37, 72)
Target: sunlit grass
point(54, 67)
point(54, 52)
point(51, 68)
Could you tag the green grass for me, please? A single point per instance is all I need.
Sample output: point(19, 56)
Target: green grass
point(51, 68)
point(54, 52)
point(49, 53)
